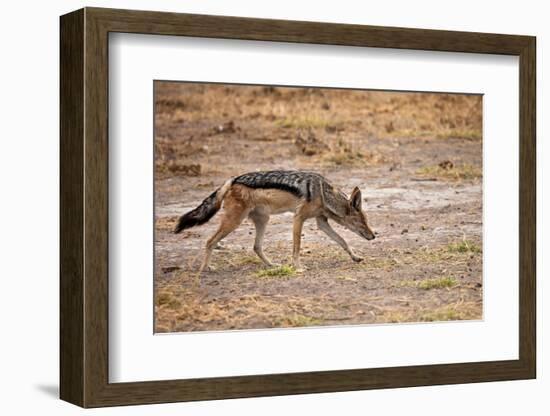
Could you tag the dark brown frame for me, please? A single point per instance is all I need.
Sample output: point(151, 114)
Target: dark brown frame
point(84, 207)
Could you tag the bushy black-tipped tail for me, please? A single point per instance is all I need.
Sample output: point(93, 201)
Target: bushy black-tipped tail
point(200, 215)
point(205, 211)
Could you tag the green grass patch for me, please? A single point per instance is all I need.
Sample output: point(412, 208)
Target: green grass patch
point(279, 271)
point(427, 284)
point(464, 246)
point(438, 134)
point(437, 283)
point(443, 314)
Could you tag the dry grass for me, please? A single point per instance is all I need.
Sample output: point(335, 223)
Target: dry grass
point(307, 122)
point(296, 320)
point(179, 307)
point(447, 313)
point(377, 263)
point(453, 253)
point(167, 299)
point(439, 116)
point(459, 134)
point(193, 311)
point(234, 259)
point(163, 298)
point(191, 118)
point(393, 317)
point(166, 223)
point(343, 153)
point(459, 172)
point(457, 311)
point(183, 305)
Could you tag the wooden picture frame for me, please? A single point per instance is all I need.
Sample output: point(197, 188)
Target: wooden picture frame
point(84, 207)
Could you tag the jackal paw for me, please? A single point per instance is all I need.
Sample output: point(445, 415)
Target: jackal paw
point(299, 268)
point(357, 259)
point(208, 268)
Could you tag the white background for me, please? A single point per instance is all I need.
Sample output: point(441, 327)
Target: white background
point(136, 355)
point(29, 209)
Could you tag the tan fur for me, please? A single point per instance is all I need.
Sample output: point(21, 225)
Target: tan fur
point(240, 201)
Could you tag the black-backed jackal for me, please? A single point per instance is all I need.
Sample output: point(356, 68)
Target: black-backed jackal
point(261, 194)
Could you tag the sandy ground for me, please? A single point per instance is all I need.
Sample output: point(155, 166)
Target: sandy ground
point(416, 158)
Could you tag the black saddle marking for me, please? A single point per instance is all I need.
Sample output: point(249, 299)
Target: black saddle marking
point(296, 182)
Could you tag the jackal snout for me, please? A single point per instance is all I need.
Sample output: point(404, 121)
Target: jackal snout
point(358, 224)
point(356, 220)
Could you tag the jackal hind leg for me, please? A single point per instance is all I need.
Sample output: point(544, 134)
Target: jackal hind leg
point(260, 220)
point(324, 226)
point(234, 214)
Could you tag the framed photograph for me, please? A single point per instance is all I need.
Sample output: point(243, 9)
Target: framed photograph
point(255, 207)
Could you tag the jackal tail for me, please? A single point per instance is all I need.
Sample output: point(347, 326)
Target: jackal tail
point(205, 211)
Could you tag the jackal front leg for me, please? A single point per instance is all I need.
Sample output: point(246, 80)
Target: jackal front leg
point(297, 240)
point(260, 221)
point(324, 226)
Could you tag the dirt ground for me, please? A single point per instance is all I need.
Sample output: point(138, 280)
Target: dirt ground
point(417, 159)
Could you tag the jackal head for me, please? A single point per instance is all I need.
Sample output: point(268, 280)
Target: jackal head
point(349, 212)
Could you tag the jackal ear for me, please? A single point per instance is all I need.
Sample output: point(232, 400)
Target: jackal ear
point(355, 199)
point(333, 201)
